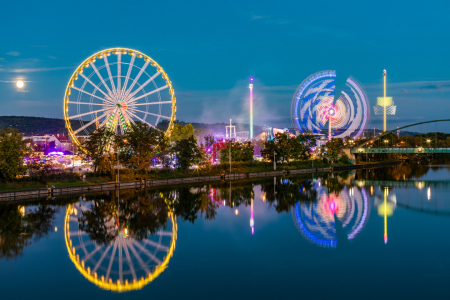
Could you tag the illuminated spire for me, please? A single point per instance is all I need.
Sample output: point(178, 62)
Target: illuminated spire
point(251, 109)
point(385, 105)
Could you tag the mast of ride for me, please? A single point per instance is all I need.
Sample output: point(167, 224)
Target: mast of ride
point(251, 109)
point(384, 101)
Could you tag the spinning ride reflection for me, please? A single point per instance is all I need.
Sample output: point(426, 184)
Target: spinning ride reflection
point(320, 221)
point(117, 249)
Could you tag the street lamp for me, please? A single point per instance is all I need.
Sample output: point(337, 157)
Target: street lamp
point(386, 141)
point(274, 161)
point(428, 141)
point(118, 175)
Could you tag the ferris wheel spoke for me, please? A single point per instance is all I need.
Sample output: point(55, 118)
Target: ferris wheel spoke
point(129, 117)
point(89, 112)
point(90, 255)
point(105, 58)
point(150, 103)
point(120, 261)
point(137, 78)
point(95, 96)
point(88, 124)
point(142, 264)
point(90, 103)
point(146, 252)
point(100, 90)
point(133, 57)
point(145, 112)
point(102, 258)
point(130, 263)
point(102, 80)
point(143, 85)
point(165, 233)
point(119, 57)
point(156, 245)
point(111, 260)
point(149, 93)
point(140, 119)
point(77, 233)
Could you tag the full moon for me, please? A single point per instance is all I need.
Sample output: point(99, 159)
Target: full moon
point(19, 84)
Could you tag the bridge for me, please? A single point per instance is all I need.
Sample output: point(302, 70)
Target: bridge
point(420, 184)
point(361, 149)
point(400, 150)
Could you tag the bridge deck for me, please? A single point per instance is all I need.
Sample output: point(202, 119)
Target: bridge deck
point(400, 150)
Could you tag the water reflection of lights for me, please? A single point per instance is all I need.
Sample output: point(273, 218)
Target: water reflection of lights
point(316, 221)
point(386, 209)
point(252, 221)
point(130, 265)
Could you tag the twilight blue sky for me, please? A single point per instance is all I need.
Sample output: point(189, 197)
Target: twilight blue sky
point(210, 49)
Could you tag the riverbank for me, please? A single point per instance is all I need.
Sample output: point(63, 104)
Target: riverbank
point(144, 183)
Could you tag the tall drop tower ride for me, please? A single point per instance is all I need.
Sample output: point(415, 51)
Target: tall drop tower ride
point(251, 109)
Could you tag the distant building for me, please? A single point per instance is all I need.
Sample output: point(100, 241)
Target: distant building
point(62, 142)
point(54, 142)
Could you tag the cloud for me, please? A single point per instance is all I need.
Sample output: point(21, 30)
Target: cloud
point(32, 70)
point(280, 88)
point(269, 19)
point(52, 57)
point(13, 53)
point(436, 86)
point(26, 103)
point(256, 17)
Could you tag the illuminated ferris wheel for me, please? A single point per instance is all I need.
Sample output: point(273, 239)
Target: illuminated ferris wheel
point(110, 255)
point(315, 109)
point(115, 88)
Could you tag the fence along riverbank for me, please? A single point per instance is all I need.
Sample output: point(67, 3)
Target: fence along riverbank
point(112, 186)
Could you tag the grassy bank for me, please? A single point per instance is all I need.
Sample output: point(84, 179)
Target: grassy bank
point(73, 179)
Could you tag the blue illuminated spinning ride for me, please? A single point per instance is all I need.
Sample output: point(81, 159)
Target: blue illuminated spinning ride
point(315, 109)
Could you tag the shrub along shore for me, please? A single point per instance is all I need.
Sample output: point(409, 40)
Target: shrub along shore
point(66, 179)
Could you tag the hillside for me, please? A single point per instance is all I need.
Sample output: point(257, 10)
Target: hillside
point(41, 126)
point(36, 125)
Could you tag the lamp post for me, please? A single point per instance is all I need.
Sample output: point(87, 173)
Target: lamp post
point(428, 141)
point(274, 161)
point(229, 153)
point(118, 173)
point(385, 142)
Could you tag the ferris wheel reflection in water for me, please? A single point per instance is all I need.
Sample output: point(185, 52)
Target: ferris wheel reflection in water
point(112, 253)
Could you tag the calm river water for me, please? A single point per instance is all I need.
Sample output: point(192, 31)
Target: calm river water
point(366, 234)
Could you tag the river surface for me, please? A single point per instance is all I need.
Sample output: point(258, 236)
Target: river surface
point(365, 234)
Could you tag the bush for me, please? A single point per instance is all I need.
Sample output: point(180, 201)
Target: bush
point(343, 159)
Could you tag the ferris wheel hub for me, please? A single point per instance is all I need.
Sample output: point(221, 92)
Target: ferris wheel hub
point(122, 104)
